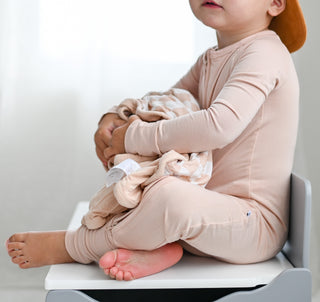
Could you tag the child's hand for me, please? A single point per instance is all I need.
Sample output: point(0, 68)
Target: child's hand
point(117, 141)
point(103, 135)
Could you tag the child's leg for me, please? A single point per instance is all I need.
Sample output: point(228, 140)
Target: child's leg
point(223, 226)
point(36, 249)
point(173, 210)
point(216, 224)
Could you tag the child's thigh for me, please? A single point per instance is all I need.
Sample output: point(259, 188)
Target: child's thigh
point(180, 200)
point(214, 223)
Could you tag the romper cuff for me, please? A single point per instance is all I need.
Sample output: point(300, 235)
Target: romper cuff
point(141, 138)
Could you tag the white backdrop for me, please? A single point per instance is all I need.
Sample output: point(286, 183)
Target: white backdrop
point(62, 64)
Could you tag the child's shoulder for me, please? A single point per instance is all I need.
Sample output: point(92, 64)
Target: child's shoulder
point(266, 43)
point(265, 49)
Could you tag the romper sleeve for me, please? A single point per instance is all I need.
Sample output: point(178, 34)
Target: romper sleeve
point(252, 79)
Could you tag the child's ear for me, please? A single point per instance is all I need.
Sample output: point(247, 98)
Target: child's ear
point(276, 7)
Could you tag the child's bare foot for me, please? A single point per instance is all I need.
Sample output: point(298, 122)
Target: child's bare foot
point(34, 249)
point(127, 265)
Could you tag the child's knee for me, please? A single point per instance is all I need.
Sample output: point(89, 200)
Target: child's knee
point(166, 195)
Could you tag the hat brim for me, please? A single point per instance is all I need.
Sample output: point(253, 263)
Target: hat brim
point(290, 26)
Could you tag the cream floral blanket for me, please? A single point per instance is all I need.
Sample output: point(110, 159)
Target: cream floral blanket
point(126, 193)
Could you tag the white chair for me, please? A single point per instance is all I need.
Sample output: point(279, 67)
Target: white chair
point(285, 278)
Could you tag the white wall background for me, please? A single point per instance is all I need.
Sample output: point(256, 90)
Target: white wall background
point(62, 64)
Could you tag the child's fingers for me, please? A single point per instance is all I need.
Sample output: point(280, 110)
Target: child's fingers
point(101, 156)
point(109, 152)
point(102, 138)
point(132, 118)
point(101, 146)
point(119, 122)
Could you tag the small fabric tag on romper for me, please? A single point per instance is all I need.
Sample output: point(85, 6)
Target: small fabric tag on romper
point(121, 170)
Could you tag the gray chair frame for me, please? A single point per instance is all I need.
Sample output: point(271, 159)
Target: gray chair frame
point(292, 285)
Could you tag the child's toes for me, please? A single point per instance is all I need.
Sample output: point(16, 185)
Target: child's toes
point(127, 276)
point(15, 253)
point(119, 276)
point(25, 264)
point(113, 272)
point(19, 259)
point(17, 237)
point(15, 246)
point(106, 271)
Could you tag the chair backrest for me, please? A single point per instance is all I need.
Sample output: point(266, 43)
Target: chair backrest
point(297, 247)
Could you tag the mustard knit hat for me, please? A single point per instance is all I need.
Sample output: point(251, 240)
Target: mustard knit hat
point(290, 26)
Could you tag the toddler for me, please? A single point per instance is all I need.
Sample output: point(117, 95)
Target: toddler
point(248, 93)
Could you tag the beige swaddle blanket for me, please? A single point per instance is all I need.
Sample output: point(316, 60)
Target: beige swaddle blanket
point(126, 193)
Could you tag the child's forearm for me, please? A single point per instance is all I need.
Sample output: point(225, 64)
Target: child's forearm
point(199, 131)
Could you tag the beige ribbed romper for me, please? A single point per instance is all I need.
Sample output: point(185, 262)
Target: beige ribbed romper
point(248, 93)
